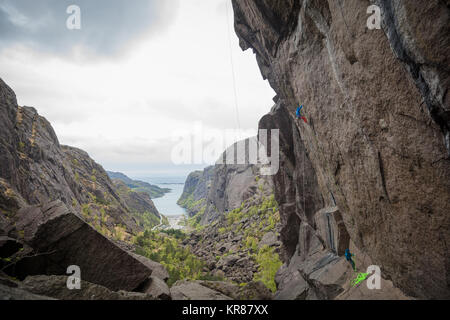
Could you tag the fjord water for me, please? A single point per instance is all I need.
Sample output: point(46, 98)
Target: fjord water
point(167, 205)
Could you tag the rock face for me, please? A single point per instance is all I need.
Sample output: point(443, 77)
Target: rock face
point(35, 169)
point(295, 184)
point(139, 204)
point(223, 187)
point(423, 48)
point(231, 183)
point(231, 243)
point(196, 189)
point(376, 145)
point(58, 208)
point(136, 201)
point(238, 217)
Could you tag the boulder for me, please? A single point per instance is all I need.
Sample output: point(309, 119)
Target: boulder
point(234, 248)
point(255, 291)
point(157, 288)
point(158, 269)
point(60, 238)
point(314, 272)
point(296, 289)
point(229, 261)
point(242, 262)
point(238, 238)
point(270, 239)
point(190, 290)
point(13, 290)
point(290, 283)
point(223, 247)
point(56, 287)
point(250, 291)
point(218, 273)
point(211, 263)
point(11, 293)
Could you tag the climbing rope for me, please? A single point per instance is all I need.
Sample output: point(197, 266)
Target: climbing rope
point(345, 21)
point(304, 159)
point(232, 67)
point(298, 117)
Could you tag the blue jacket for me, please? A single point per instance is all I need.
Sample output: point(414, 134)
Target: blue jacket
point(348, 255)
point(299, 111)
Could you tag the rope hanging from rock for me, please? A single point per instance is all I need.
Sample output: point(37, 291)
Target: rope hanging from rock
point(232, 68)
point(299, 115)
point(345, 21)
point(304, 158)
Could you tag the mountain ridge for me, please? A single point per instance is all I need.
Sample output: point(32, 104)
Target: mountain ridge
point(136, 185)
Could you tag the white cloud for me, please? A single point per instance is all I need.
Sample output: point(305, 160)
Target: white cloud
point(108, 26)
point(123, 111)
point(14, 16)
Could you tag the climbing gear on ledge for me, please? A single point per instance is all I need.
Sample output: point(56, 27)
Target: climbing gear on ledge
point(360, 277)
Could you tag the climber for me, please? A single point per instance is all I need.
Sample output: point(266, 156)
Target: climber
point(348, 257)
point(298, 113)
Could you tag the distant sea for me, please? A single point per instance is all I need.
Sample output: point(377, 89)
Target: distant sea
point(167, 205)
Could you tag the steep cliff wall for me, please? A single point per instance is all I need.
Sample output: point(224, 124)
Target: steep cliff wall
point(376, 143)
point(196, 189)
point(223, 187)
point(58, 207)
point(232, 184)
point(35, 169)
point(236, 222)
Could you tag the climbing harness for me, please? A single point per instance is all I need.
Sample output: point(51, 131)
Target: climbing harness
point(299, 114)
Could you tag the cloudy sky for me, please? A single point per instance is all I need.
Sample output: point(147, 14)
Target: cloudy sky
point(137, 74)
